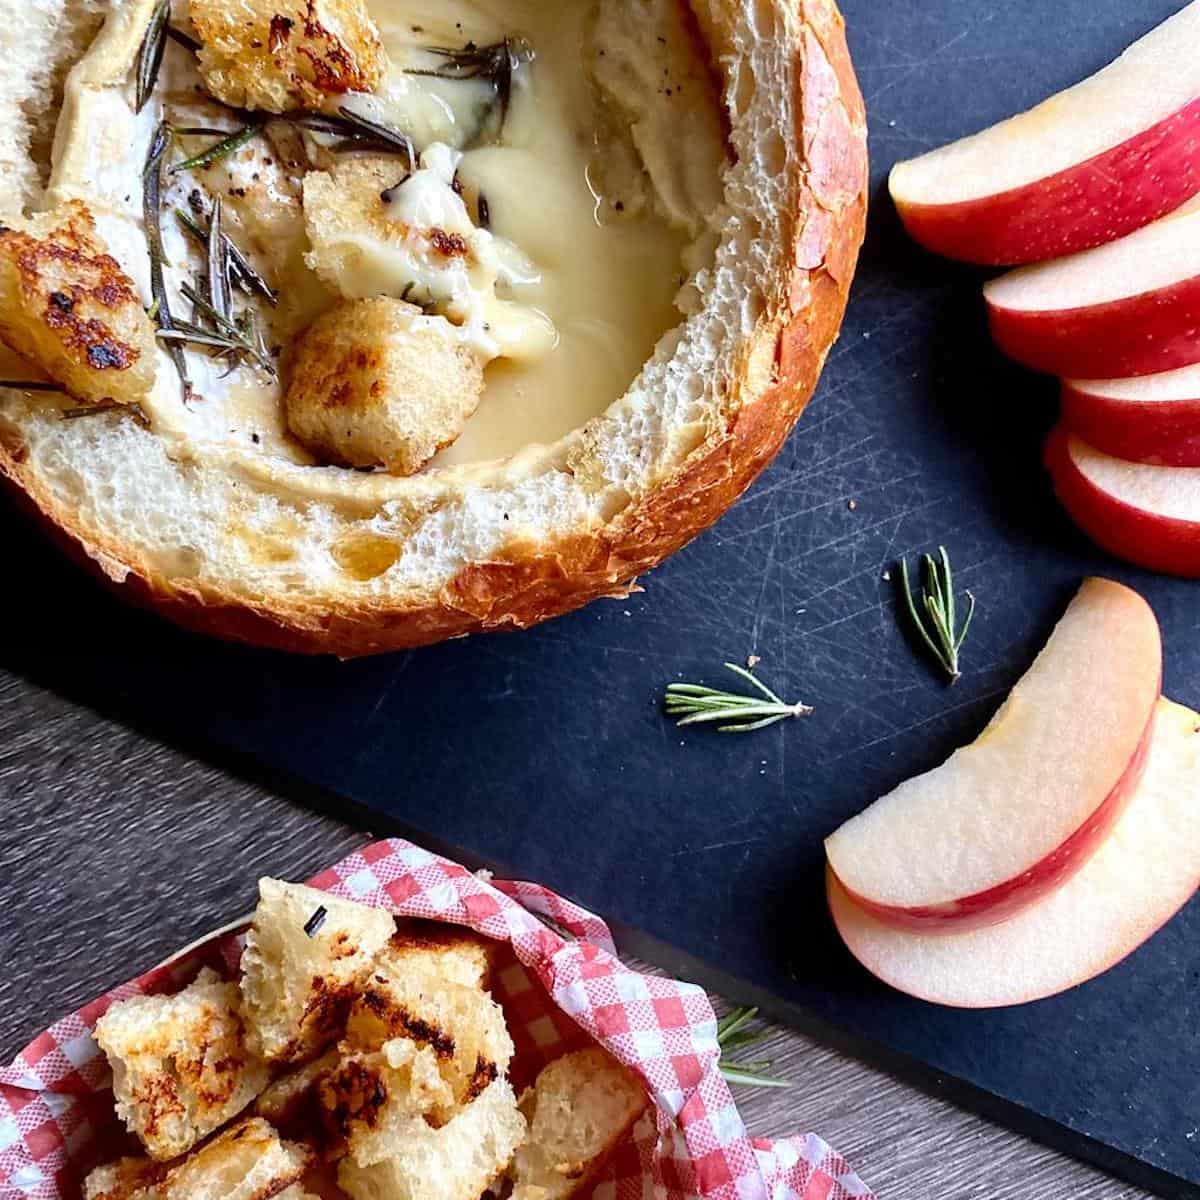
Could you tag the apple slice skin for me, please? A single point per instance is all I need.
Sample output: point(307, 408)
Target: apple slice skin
point(1136, 335)
point(1086, 205)
point(997, 904)
point(1146, 539)
point(1164, 433)
point(1117, 901)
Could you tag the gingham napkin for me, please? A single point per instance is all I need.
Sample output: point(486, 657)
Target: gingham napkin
point(562, 987)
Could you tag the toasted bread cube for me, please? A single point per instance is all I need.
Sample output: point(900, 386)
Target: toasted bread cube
point(67, 306)
point(463, 1026)
point(291, 1102)
point(247, 1162)
point(459, 1161)
point(276, 55)
point(377, 383)
point(449, 951)
point(180, 1064)
point(374, 1101)
point(579, 1110)
point(306, 953)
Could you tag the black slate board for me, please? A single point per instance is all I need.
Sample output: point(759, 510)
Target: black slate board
point(545, 753)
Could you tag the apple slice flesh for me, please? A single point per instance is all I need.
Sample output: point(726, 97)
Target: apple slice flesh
point(1139, 877)
point(1131, 307)
point(1151, 419)
point(1090, 164)
point(1009, 817)
point(1147, 515)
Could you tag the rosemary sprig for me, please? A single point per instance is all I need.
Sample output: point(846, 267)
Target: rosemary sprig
point(222, 149)
point(496, 64)
point(934, 617)
point(732, 1035)
point(152, 219)
point(358, 131)
point(693, 704)
point(225, 335)
point(150, 54)
point(242, 273)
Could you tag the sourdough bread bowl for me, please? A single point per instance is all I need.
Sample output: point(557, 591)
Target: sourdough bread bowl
point(724, 149)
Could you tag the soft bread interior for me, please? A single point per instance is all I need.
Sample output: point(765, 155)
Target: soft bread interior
point(297, 540)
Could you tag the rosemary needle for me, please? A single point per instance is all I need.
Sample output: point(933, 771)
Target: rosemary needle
point(934, 617)
point(152, 219)
point(222, 149)
point(693, 704)
point(732, 1034)
point(150, 54)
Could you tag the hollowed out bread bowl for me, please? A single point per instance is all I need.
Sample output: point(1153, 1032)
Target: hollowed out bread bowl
point(238, 511)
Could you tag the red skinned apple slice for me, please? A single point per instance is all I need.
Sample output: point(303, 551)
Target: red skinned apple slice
point(1146, 515)
point(1008, 818)
point(1091, 164)
point(1147, 419)
point(1139, 877)
point(1131, 307)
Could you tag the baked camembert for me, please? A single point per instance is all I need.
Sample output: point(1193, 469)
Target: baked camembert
point(395, 236)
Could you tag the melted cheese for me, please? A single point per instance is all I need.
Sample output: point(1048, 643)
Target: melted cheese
point(577, 293)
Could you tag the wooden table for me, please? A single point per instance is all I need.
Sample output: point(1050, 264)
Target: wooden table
point(116, 849)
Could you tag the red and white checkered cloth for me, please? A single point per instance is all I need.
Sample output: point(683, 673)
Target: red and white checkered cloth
point(562, 987)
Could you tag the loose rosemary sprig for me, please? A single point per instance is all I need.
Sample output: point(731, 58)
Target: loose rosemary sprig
point(150, 54)
point(152, 219)
point(693, 704)
point(732, 1035)
point(934, 617)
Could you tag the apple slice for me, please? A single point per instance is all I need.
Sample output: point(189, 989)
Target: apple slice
point(1009, 817)
point(1147, 419)
point(1139, 877)
point(1146, 515)
point(1091, 164)
point(1129, 308)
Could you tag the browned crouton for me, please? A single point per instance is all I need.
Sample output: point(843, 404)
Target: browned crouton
point(458, 1161)
point(67, 306)
point(377, 383)
point(450, 951)
point(463, 1026)
point(579, 1110)
point(180, 1063)
point(246, 1162)
point(276, 55)
point(306, 954)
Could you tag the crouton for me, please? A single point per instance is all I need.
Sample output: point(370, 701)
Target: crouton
point(306, 953)
point(375, 1101)
point(180, 1064)
point(579, 1110)
point(276, 55)
point(449, 951)
point(376, 383)
point(68, 306)
point(463, 1026)
point(459, 1161)
point(246, 1162)
point(291, 1103)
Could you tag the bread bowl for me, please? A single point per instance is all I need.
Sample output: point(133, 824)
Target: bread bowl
point(229, 526)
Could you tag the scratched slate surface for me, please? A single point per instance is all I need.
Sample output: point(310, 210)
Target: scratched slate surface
point(545, 753)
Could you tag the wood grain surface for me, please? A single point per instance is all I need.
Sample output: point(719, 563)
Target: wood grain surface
point(116, 849)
